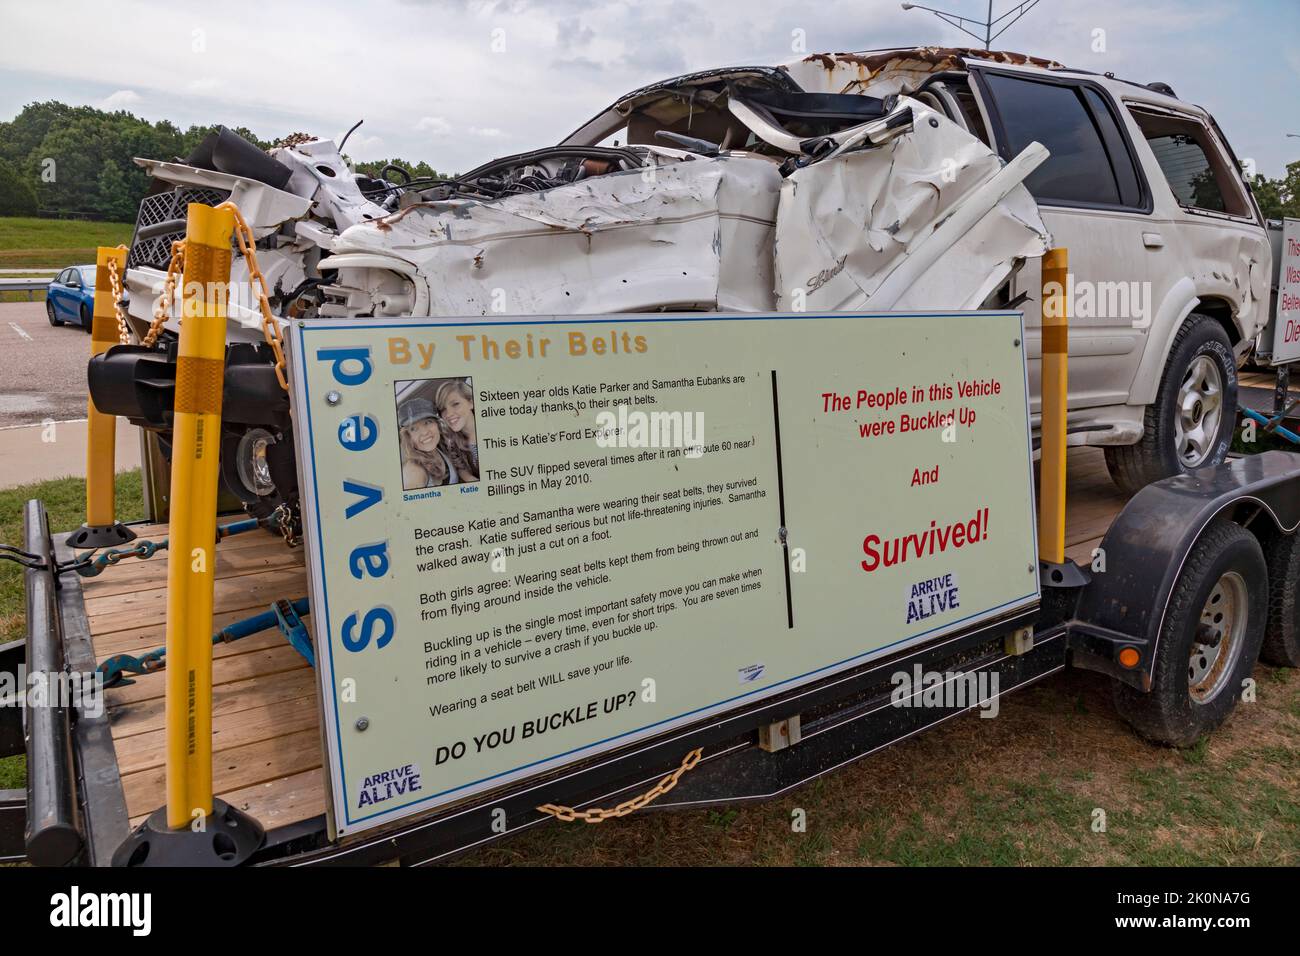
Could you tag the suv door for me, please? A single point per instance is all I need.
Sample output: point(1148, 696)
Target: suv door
point(1096, 203)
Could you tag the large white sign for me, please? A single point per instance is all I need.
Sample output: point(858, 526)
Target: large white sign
point(1286, 320)
point(533, 540)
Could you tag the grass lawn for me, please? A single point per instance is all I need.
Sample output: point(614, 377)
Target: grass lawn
point(65, 500)
point(1027, 788)
point(28, 243)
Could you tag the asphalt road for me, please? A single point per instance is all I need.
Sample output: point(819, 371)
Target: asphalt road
point(42, 369)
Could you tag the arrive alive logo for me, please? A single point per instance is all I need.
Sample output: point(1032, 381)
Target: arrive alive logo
point(933, 596)
point(398, 782)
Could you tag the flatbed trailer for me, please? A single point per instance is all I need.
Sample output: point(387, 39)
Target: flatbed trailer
point(92, 778)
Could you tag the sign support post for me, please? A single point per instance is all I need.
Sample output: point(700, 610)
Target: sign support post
point(101, 529)
point(194, 828)
point(1056, 347)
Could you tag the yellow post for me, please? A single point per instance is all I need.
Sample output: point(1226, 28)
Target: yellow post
point(196, 444)
point(1055, 361)
point(101, 528)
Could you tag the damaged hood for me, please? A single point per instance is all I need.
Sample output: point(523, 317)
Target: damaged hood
point(926, 218)
point(669, 235)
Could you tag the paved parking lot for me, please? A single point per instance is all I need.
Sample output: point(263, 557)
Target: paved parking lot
point(42, 369)
point(43, 381)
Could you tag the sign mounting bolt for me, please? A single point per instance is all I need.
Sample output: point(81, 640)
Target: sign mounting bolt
point(363, 723)
point(333, 398)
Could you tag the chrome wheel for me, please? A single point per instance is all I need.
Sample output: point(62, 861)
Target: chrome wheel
point(1219, 637)
point(1199, 411)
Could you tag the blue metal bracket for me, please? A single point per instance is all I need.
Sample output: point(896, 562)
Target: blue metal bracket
point(289, 618)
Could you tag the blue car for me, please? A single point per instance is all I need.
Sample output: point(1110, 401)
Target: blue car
point(71, 296)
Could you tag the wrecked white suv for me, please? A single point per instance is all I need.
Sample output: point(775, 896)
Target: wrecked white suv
point(905, 179)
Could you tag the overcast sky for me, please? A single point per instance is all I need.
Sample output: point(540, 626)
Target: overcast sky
point(457, 82)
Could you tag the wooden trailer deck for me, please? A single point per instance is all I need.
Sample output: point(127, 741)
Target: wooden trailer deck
point(267, 754)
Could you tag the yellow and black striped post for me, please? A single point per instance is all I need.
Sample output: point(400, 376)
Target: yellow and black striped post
point(195, 828)
point(101, 528)
point(196, 446)
point(1054, 389)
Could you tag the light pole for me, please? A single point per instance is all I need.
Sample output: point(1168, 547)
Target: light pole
point(988, 24)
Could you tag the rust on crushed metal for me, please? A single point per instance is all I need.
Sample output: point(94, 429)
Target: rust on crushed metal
point(386, 224)
point(824, 59)
point(942, 57)
point(294, 139)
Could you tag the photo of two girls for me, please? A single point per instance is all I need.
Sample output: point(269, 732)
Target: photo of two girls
point(437, 432)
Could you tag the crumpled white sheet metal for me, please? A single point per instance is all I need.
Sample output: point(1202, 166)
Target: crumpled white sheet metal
point(930, 220)
point(689, 235)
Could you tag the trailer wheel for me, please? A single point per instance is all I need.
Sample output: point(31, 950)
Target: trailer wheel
point(1282, 635)
point(1189, 425)
point(1209, 642)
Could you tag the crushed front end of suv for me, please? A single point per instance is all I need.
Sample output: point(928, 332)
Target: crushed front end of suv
point(897, 180)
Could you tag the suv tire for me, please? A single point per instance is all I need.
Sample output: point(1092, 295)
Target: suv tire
point(1190, 423)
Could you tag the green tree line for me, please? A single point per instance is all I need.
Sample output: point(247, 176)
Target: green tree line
point(1280, 198)
point(61, 160)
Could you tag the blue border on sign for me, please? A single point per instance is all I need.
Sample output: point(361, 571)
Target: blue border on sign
point(710, 317)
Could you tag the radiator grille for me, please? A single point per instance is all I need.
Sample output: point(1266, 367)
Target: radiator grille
point(156, 249)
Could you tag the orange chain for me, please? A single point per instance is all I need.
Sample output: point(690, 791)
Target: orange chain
point(244, 238)
point(568, 814)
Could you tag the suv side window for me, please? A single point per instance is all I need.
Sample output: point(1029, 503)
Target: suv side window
point(1195, 170)
point(1090, 163)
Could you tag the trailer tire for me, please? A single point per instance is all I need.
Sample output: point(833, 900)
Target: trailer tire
point(1224, 575)
point(1282, 634)
point(1200, 344)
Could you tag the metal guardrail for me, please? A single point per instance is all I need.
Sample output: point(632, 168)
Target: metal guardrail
point(24, 285)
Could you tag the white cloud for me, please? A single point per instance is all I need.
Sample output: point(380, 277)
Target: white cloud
point(120, 100)
point(361, 146)
point(433, 124)
point(205, 85)
point(565, 60)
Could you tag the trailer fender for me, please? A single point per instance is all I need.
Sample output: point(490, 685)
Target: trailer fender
point(1143, 552)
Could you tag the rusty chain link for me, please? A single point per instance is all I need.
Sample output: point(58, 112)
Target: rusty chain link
point(284, 521)
point(568, 814)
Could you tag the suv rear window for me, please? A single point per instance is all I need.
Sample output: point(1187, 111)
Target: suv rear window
point(1196, 172)
point(1089, 163)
